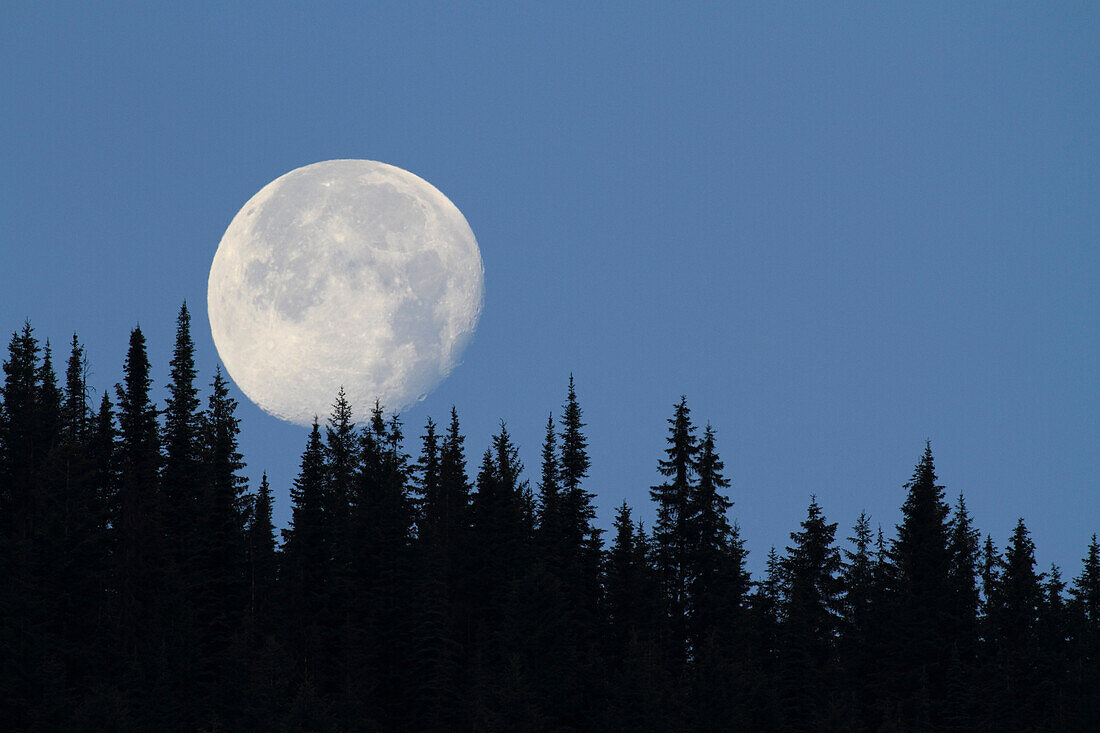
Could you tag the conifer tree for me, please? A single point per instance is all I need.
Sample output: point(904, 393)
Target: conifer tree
point(1016, 604)
point(182, 473)
point(20, 434)
point(964, 555)
point(1018, 593)
point(262, 559)
point(75, 411)
point(501, 542)
point(1085, 626)
point(672, 532)
point(341, 462)
point(441, 626)
point(221, 548)
point(48, 403)
point(1086, 588)
point(578, 511)
point(381, 529)
point(551, 530)
point(305, 559)
point(137, 506)
point(858, 626)
point(73, 538)
point(924, 599)
point(716, 578)
point(811, 616)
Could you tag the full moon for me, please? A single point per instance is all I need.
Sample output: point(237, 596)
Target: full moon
point(345, 273)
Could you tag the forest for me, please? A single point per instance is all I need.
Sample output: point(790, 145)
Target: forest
point(143, 585)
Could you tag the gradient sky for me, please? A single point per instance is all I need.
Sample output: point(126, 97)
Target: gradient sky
point(839, 231)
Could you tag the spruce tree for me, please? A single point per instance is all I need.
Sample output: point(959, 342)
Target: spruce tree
point(1017, 600)
point(305, 566)
point(964, 554)
point(578, 511)
point(440, 593)
point(139, 551)
point(182, 472)
point(1086, 588)
point(715, 575)
point(262, 560)
point(75, 412)
point(672, 532)
point(924, 601)
point(811, 616)
point(221, 548)
point(20, 434)
point(381, 530)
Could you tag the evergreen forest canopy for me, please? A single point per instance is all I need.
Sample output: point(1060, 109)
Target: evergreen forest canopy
point(142, 586)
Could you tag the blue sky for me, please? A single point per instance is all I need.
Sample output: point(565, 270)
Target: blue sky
point(839, 231)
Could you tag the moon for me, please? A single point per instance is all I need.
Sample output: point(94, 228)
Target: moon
point(344, 273)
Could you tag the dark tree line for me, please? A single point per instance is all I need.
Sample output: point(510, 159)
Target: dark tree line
point(144, 587)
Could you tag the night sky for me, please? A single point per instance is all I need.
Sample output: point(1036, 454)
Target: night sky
point(839, 232)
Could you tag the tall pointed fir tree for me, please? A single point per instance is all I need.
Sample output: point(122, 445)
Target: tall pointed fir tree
point(924, 599)
point(1017, 599)
point(634, 613)
point(857, 656)
point(137, 507)
point(716, 577)
point(551, 529)
point(811, 616)
point(964, 553)
point(671, 533)
point(381, 527)
point(262, 561)
point(305, 563)
point(20, 436)
point(75, 532)
point(341, 463)
point(501, 543)
point(1085, 628)
point(181, 475)
point(438, 605)
point(578, 511)
point(25, 446)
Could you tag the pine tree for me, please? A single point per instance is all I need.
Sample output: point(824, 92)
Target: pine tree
point(962, 573)
point(633, 607)
point(1017, 601)
point(137, 507)
point(1086, 588)
point(578, 511)
point(75, 412)
point(20, 435)
point(381, 527)
point(221, 594)
point(440, 581)
point(501, 542)
point(305, 564)
point(341, 462)
point(262, 560)
point(551, 517)
point(924, 602)
point(1084, 687)
point(672, 532)
point(48, 403)
point(716, 578)
point(858, 622)
point(73, 539)
point(811, 617)
point(1018, 593)
point(181, 476)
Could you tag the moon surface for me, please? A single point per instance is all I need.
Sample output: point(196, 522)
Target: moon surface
point(344, 273)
